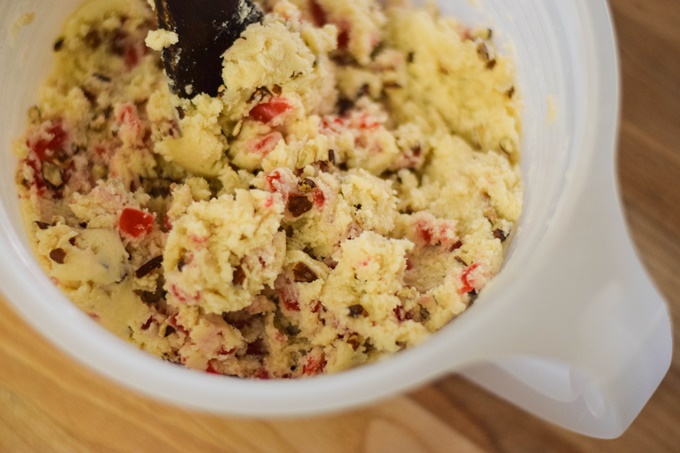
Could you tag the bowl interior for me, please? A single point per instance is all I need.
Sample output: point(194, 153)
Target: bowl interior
point(548, 40)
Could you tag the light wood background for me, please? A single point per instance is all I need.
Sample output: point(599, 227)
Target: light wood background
point(50, 403)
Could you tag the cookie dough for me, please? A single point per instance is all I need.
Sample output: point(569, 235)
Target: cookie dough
point(349, 192)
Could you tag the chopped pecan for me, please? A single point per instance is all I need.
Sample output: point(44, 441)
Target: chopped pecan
point(53, 175)
point(299, 204)
point(485, 54)
point(500, 234)
point(102, 77)
point(58, 255)
point(148, 267)
point(239, 276)
point(302, 273)
point(357, 310)
point(58, 44)
point(306, 184)
point(354, 340)
point(92, 39)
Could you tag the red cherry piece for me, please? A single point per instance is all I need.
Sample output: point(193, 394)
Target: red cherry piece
point(267, 111)
point(44, 148)
point(425, 232)
point(343, 39)
point(273, 180)
point(465, 279)
point(318, 14)
point(135, 223)
point(314, 365)
point(174, 323)
point(265, 145)
point(132, 56)
point(401, 313)
point(128, 117)
point(147, 324)
point(319, 198)
point(368, 122)
point(288, 299)
point(317, 307)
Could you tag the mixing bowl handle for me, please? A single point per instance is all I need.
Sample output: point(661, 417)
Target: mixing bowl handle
point(598, 340)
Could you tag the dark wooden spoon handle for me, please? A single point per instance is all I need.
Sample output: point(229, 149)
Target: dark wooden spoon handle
point(206, 29)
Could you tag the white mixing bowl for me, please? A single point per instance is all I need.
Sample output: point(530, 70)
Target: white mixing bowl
point(572, 330)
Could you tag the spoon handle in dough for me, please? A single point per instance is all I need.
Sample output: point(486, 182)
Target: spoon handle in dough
point(206, 29)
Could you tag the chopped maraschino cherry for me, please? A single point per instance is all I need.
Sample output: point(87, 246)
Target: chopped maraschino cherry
point(47, 144)
point(135, 223)
point(268, 111)
point(465, 279)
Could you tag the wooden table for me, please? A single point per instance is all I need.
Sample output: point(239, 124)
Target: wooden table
point(50, 403)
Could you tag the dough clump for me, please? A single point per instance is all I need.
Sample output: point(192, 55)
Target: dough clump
point(349, 192)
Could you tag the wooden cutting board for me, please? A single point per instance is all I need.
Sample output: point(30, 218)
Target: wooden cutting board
point(50, 403)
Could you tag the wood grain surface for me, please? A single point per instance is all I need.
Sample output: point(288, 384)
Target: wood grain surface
point(50, 403)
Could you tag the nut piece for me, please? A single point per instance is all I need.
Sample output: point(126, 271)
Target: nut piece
point(357, 310)
point(486, 55)
point(52, 175)
point(299, 204)
point(148, 267)
point(302, 273)
point(42, 225)
point(499, 234)
point(354, 340)
point(306, 185)
point(239, 276)
point(58, 256)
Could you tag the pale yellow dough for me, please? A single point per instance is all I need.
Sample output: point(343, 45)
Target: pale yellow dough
point(350, 191)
